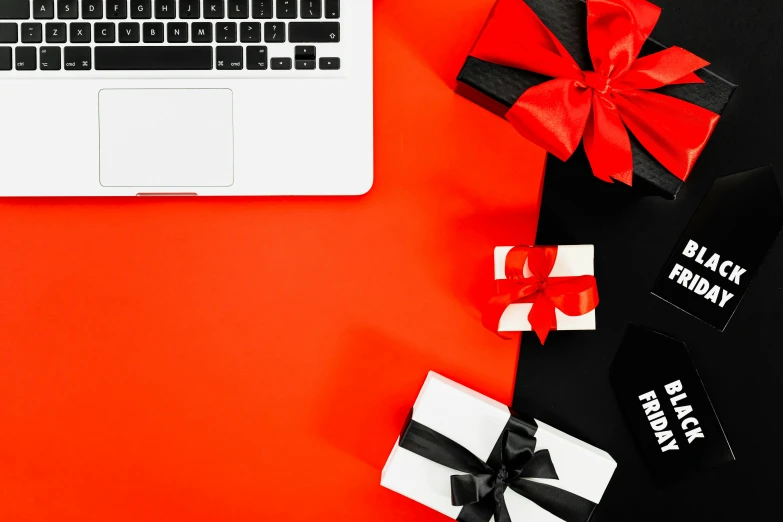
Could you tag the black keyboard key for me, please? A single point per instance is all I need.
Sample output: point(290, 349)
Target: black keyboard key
point(281, 64)
point(9, 33)
point(67, 10)
point(43, 10)
point(32, 33)
point(130, 32)
point(92, 9)
point(164, 58)
point(78, 59)
point(311, 8)
point(152, 32)
point(262, 9)
point(80, 33)
point(51, 58)
point(274, 32)
point(250, 32)
point(286, 8)
point(226, 32)
point(332, 8)
point(165, 9)
point(104, 32)
point(329, 64)
point(177, 32)
point(56, 32)
point(305, 64)
point(117, 9)
point(141, 9)
point(189, 9)
point(304, 52)
point(201, 32)
point(256, 57)
point(6, 61)
point(229, 58)
point(213, 9)
point(238, 9)
point(26, 59)
point(314, 32)
point(14, 10)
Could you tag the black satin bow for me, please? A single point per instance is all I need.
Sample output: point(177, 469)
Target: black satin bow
point(480, 492)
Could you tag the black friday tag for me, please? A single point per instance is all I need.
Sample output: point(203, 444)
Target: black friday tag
point(723, 247)
point(666, 406)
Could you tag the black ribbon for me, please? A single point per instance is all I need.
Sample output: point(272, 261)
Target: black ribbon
point(512, 461)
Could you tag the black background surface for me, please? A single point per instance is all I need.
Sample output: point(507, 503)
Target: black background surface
point(565, 383)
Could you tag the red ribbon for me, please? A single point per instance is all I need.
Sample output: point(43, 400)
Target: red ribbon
point(601, 106)
point(576, 295)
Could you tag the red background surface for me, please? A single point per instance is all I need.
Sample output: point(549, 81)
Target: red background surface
point(254, 359)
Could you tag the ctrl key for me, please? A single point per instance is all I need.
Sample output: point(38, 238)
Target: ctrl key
point(6, 61)
point(26, 59)
point(78, 58)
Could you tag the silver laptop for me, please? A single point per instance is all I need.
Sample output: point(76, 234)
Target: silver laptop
point(203, 97)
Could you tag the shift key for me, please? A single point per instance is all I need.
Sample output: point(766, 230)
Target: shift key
point(313, 32)
point(14, 9)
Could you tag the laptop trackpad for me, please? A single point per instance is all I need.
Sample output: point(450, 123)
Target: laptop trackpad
point(166, 137)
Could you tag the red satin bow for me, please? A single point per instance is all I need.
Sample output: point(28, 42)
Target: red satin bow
point(599, 105)
point(573, 296)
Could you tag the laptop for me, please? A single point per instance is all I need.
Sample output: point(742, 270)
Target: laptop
point(196, 97)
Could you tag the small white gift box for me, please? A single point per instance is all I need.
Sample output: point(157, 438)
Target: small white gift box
point(477, 423)
point(572, 260)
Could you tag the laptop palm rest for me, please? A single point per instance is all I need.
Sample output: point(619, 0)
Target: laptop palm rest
point(166, 137)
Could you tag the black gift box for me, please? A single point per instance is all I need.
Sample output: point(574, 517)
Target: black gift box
point(497, 88)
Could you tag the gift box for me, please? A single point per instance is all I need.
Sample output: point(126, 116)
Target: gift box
point(666, 135)
point(542, 289)
point(466, 456)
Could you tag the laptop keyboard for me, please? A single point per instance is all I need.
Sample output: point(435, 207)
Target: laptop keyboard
point(169, 35)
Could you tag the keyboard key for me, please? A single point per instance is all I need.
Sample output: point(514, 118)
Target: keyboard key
point(43, 10)
point(229, 58)
point(305, 64)
point(311, 8)
point(165, 9)
point(152, 32)
point(14, 10)
point(80, 33)
point(256, 57)
point(274, 32)
point(141, 9)
point(51, 58)
point(165, 58)
point(78, 59)
point(5, 59)
point(314, 32)
point(332, 8)
point(117, 9)
point(281, 64)
point(226, 32)
point(213, 9)
point(32, 33)
point(177, 32)
point(262, 9)
point(55, 33)
point(25, 59)
point(104, 32)
point(238, 9)
point(201, 32)
point(67, 10)
point(9, 33)
point(286, 8)
point(189, 9)
point(304, 52)
point(329, 64)
point(92, 9)
point(250, 32)
point(130, 32)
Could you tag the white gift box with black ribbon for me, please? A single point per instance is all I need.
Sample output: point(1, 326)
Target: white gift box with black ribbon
point(477, 424)
point(572, 260)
